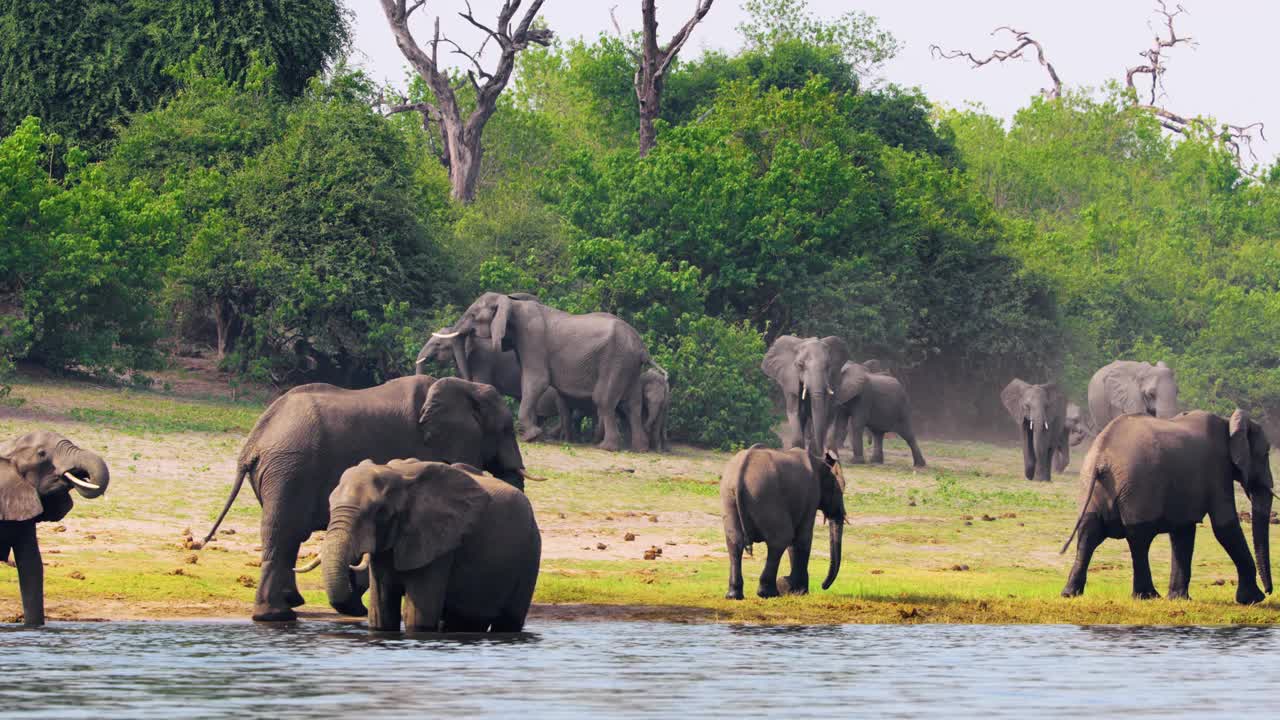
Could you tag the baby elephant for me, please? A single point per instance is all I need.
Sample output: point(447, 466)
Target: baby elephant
point(771, 496)
point(37, 473)
point(1146, 475)
point(460, 548)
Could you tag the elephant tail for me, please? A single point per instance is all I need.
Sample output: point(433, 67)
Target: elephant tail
point(244, 470)
point(739, 490)
point(1093, 482)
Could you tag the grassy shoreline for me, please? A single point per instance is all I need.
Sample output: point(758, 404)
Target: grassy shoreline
point(966, 540)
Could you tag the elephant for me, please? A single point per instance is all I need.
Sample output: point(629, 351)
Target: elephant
point(1132, 388)
point(875, 401)
point(771, 496)
point(37, 472)
point(1078, 426)
point(1041, 414)
point(596, 355)
point(808, 371)
point(1145, 476)
point(656, 396)
point(461, 548)
point(475, 361)
point(301, 445)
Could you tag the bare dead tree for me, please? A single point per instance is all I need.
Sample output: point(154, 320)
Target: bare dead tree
point(460, 148)
point(1239, 138)
point(1023, 42)
point(653, 62)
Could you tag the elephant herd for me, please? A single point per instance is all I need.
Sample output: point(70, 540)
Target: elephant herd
point(419, 482)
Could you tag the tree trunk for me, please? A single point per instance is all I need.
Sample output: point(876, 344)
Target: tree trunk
point(650, 99)
point(464, 164)
point(224, 318)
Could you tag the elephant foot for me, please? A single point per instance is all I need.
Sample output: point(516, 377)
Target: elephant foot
point(1071, 591)
point(1149, 594)
point(857, 461)
point(1179, 595)
point(354, 609)
point(294, 598)
point(531, 434)
point(766, 591)
point(790, 586)
point(919, 464)
point(275, 615)
point(733, 594)
point(877, 460)
point(612, 445)
point(1249, 595)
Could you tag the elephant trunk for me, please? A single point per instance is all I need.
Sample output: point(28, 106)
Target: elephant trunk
point(460, 358)
point(1043, 448)
point(1262, 536)
point(337, 553)
point(820, 407)
point(835, 530)
point(85, 470)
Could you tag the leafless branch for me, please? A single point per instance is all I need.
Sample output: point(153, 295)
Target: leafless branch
point(654, 61)
point(1023, 41)
point(1155, 65)
point(613, 15)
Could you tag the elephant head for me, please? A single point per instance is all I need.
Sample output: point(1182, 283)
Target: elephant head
point(37, 472)
point(443, 347)
point(470, 423)
point(1040, 412)
point(407, 513)
point(831, 503)
point(1138, 388)
point(1078, 427)
point(1251, 458)
point(809, 369)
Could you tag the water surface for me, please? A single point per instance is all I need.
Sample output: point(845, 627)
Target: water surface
point(635, 669)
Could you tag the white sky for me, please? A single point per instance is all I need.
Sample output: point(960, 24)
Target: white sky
point(1228, 75)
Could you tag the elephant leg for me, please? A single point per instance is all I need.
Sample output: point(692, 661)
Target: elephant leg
point(26, 555)
point(836, 435)
point(606, 398)
point(1231, 537)
point(635, 418)
point(566, 418)
point(1091, 535)
point(1062, 454)
point(798, 553)
point(909, 435)
point(279, 555)
point(1139, 539)
point(511, 618)
point(1183, 542)
point(877, 447)
point(769, 576)
point(532, 386)
point(735, 570)
point(385, 594)
point(856, 432)
point(424, 593)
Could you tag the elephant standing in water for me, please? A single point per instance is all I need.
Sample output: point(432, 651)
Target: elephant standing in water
point(37, 472)
point(460, 548)
point(1132, 388)
point(772, 496)
point(595, 356)
point(875, 401)
point(1145, 476)
point(808, 370)
point(309, 436)
point(1041, 414)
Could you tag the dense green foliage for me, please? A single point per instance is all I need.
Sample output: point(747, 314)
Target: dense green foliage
point(791, 191)
point(83, 66)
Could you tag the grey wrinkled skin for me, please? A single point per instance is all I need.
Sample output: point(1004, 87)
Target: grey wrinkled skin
point(1079, 427)
point(656, 396)
point(596, 356)
point(1144, 476)
point(875, 401)
point(34, 488)
point(1040, 412)
point(808, 372)
point(1132, 388)
point(458, 548)
point(305, 440)
point(772, 496)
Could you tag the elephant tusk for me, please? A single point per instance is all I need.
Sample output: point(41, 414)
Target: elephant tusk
point(1031, 424)
point(804, 392)
point(445, 335)
point(311, 565)
point(419, 361)
point(526, 476)
point(830, 391)
point(364, 564)
point(1046, 426)
point(82, 483)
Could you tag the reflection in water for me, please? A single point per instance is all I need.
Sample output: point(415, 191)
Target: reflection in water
point(317, 669)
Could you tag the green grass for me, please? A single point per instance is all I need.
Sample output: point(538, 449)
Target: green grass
point(964, 540)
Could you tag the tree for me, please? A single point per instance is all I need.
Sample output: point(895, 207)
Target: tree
point(83, 66)
point(858, 36)
point(653, 62)
point(462, 149)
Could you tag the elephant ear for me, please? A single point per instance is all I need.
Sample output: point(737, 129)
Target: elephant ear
point(1238, 442)
point(1124, 393)
point(1011, 398)
point(19, 499)
point(780, 361)
point(498, 330)
point(839, 353)
point(441, 505)
point(853, 380)
point(56, 506)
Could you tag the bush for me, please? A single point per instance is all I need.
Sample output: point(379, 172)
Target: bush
point(719, 396)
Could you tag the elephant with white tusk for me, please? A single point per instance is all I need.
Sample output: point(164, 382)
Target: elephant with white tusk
point(37, 473)
point(808, 371)
point(1041, 414)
